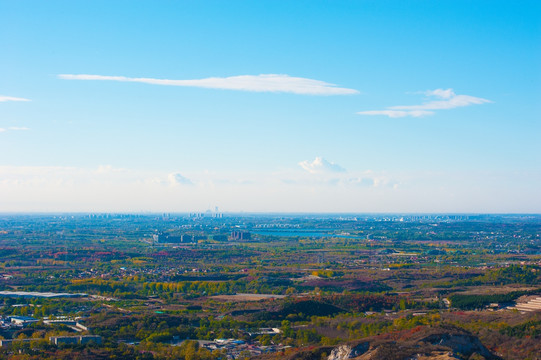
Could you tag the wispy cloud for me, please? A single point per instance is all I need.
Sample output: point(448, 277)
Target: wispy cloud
point(83, 189)
point(14, 128)
point(447, 99)
point(320, 165)
point(178, 179)
point(397, 113)
point(11, 98)
point(255, 83)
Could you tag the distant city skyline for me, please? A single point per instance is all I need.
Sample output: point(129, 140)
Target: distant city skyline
point(270, 106)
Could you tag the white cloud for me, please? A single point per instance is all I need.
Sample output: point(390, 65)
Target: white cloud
point(448, 100)
point(320, 165)
point(339, 181)
point(105, 175)
point(370, 179)
point(178, 179)
point(256, 83)
point(14, 128)
point(50, 188)
point(441, 93)
point(397, 113)
point(362, 181)
point(11, 98)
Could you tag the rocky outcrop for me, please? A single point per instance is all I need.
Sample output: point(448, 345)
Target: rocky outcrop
point(429, 343)
point(445, 345)
point(464, 344)
point(344, 352)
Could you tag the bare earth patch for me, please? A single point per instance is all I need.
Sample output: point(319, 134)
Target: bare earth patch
point(247, 297)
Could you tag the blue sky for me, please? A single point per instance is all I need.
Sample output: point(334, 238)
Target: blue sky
point(353, 106)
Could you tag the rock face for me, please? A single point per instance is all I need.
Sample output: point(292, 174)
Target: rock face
point(436, 346)
point(460, 343)
point(429, 343)
point(344, 352)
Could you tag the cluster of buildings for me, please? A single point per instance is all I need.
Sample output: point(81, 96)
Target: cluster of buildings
point(56, 340)
point(207, 214)
point(166, 238)
point(532, 304)
point(18, 322)
point(236, 349)
point(240, 235)
point(81, 339)
point(22, 321)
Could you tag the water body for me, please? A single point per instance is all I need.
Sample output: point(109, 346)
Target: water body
point(317, 233)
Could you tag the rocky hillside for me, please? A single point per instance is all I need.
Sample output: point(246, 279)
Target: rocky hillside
point(423, 344)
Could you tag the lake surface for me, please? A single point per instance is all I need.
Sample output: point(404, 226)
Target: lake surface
point(318, 233)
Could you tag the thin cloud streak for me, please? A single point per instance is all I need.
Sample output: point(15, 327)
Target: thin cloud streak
point(448, 100)
point(14, 128)
point(450, 103)
point(397, 113)
point(11, 98)
point(255, 83)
